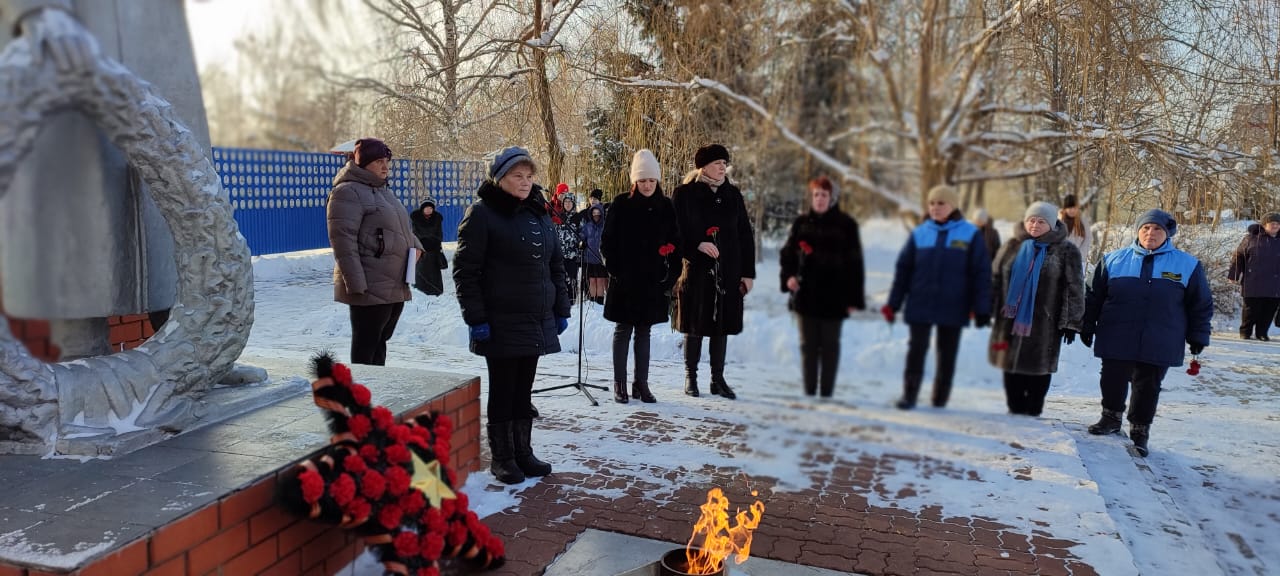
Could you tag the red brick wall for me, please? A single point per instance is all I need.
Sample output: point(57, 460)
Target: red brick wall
point(247, 533)
point(127, 333)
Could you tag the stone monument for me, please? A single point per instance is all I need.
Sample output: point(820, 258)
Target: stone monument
point(54, 77)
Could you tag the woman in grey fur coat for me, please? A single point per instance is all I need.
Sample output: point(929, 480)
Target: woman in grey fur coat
point(1037, 285)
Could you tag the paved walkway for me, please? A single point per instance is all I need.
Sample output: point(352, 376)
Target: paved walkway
point(830, 524)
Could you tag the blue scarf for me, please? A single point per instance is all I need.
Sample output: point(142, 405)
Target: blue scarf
point(1020, 301)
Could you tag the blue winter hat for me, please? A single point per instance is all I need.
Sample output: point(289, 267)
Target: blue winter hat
point(509, 158)
point(1159, 218)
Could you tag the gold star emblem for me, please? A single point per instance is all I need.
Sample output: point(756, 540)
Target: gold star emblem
point(427, 479)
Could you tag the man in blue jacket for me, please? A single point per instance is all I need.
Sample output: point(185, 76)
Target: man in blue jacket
point(944, 275)
point(1144, 302)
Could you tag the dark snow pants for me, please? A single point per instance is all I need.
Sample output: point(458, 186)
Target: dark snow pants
point(1146, 379)
point(511, 388)
point(819, 352)
point(1025, 393)
point(371, 327)
point(1257, 316)
point(918, 346)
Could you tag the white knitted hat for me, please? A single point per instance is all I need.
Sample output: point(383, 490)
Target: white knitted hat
point(645, 165)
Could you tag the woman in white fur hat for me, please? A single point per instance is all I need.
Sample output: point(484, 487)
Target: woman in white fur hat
point(639, 246)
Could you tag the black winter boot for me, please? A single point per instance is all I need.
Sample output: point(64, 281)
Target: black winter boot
point(718, 384)
point(1110, 423)
point(521, 432)
point(1139, 433)
point(620, 392)
point(641, 391)
point(503, 463)
point(910, 390)
point(692, 353)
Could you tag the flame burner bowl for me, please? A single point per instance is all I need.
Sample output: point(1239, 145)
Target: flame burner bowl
point(676, 563)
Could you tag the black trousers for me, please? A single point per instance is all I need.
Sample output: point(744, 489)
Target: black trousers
point(1024, 393)
point(510, 387)
point(819, 352)
point(693, 353)
point(571, 274)
point(1146, 380)
point(621, 338)
point(1257, 316)
point(371, 327)
point(918, 346)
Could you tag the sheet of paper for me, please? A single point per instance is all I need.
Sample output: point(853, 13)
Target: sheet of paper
point(411, 266)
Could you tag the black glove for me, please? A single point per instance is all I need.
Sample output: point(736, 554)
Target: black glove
point(981, 320)
point(1069, 336)
point(1086, 339)
point(1196, 349)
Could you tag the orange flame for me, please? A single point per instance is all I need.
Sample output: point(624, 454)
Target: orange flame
point(719, 538)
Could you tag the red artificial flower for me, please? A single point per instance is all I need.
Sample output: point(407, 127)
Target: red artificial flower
point(341, 374)
point(369, 452)
point(372, 485)
point(434, 522)
point(463, 501)
point(457, 534)
point(354, 464)
point(398, 480)
point(343, 489)
point(448, 507)
point(412, 502)
point(397, 454)
point(399, 433)
point(361, 394)
point(712, 231)
point(312, 486)
point(441, 448)
point(359, 426)
point(453, 478)
point(1194, 369)
point(443, 424)
point(429, 571)
point(806, 248)
point(390, 516)
point(420, 431)
point(495, 546)
point(1000, 346)
point(383, 419)
point(358, 508)
point(431, 545)
point(406, 544)
point(666, 249)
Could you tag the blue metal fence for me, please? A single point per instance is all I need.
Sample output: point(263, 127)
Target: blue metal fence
point(279, 197)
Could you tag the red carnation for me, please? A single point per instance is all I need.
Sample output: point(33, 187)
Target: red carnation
point(441, 448)
point(1000, 346)
point(398, 433)
point(429, 571)
point(390, 516)
point(463, 501)
point(420, 431)
point(443, 424)
point(412, 502)
point(397, 454)
point(383, 418)
point(712, 231)
point(354, 464)
point(457, 534)
point(806, 248)
point(397, 480)
point(666, 249)
point(341, 374)
point(343, 489)
point(312, 486)
point(448, 507)
point(369, 452)
point(1194, 369)
point(359, 426)
point(495, 546)
point(358, 508)
point(453, 478)
point(361, 394)
point(434, 522)
point(372, 485)
point(406, 544)
point(432, 545)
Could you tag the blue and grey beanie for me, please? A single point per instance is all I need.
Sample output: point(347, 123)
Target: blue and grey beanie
point(1159, 218)
point(506, 159)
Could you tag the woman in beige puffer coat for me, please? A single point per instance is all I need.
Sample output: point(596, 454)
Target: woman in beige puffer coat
point(371, 236)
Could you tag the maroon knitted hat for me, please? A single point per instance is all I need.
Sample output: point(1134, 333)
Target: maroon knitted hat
point(370, 149)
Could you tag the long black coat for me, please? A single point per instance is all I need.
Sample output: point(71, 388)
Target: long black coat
point(832, 273)
point(700, 311)
point(430, 232)
point(1059, 305)
point(509, 273)
point(1256, 264)
point(640, 278)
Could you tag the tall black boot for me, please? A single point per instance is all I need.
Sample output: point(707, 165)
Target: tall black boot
point(1139, 433)
point(640, 390)
point(910, 390)
point(529, 464)
point(1110, 423)
point(503, 460)
point(620, 392)
point(718, 351)
point(692, 353)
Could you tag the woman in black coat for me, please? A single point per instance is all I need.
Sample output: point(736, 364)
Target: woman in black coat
point(1255, 266)
point(639, 248)
point(821, 267)
point(428, 227)
point(509, 276)
point(719, 264)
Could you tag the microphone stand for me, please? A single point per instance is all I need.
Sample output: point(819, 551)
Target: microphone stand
point(579, 384)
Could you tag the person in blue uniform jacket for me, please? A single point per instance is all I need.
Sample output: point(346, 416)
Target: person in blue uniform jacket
point(944, 276)
point(1144, 302)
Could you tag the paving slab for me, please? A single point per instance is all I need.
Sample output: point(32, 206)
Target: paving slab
point(607, 553)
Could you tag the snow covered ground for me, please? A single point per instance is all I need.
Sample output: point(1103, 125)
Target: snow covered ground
point(1207, 500)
